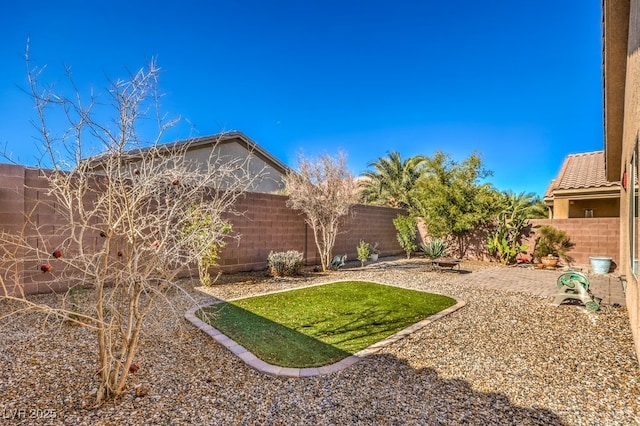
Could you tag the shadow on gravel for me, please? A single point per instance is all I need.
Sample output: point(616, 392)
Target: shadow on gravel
point(440, 400)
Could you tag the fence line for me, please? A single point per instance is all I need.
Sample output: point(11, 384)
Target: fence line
point(266, 225)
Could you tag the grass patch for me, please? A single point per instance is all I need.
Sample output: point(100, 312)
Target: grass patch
point(320, 325)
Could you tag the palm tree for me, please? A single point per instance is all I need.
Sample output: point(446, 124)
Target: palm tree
point(528, 204)
point(392, 181)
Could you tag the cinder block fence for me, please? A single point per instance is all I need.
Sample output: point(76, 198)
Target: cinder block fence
point(266, 224)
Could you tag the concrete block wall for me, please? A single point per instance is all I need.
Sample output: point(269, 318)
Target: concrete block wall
point(371, 224)
point(269, 225)
point(266, 224)
point(12, 204)
point(591, 236)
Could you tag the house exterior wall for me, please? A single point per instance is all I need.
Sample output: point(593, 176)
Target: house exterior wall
point(271, 179)
point(630, 134)
point(608, 207)
point(561, 208)
point(565, 208)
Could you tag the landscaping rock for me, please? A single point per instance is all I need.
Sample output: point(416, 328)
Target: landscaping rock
point(505, 358)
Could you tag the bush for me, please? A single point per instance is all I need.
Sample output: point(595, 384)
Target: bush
point(552, 242)
point(407, 228)
point(285, 263)
point(364, 251)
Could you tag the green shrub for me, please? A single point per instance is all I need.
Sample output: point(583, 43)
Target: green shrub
point(552, 242)
point(198, 231)
point(364, 251)
point(285, 263)
point(436, 248)
point(407, 228)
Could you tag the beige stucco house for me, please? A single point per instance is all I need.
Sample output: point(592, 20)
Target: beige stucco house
point(621, 77)
point(581, 189)
point(228, 146)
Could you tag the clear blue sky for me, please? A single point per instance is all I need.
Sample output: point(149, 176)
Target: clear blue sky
point(517, 81)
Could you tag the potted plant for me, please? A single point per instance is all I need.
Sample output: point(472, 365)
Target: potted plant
point(374, 252)
point(551, 245)
point(364, 251)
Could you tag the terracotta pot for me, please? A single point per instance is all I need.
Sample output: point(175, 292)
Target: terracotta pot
point(550, 261)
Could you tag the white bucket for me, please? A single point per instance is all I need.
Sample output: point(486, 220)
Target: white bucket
point(600, 264)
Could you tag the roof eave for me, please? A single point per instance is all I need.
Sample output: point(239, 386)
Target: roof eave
point(615, 34)
point(587, 193)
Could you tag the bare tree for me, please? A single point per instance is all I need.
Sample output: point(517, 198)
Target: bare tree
point(129, 215)
point(324, 190)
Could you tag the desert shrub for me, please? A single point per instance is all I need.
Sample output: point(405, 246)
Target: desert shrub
point(285, 263)
point(552, 242)
point(435, 248)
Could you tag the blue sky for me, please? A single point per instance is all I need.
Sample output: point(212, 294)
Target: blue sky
point(518, 82)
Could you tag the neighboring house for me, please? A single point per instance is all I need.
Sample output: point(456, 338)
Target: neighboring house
point(231, 146)
point(582, 190)
point(621, 79)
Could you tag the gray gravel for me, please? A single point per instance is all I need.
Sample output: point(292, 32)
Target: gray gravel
point(504, 359)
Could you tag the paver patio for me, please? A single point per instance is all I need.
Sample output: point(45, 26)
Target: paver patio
point(542, 283)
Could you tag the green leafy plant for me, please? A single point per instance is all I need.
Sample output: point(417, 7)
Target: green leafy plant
point(435, 248)
point(200, 227)
point(407, 228)
point(552, 242)
point(285, 263)
point(364, 251)
point(505, 242)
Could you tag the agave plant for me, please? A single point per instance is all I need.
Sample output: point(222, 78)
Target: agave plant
point(436, 248)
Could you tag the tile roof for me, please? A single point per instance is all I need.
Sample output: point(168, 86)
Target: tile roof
point(582, 171)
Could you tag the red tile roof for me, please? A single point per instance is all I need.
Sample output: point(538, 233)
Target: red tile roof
point(581, 171)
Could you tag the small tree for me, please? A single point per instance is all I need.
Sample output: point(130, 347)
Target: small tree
point(451, 199)
point(203, 235)
point(324, 190)
point(407, 228)
point(364, 251)
point(134, 216)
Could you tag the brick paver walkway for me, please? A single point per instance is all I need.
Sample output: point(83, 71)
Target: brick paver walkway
point(543, 283)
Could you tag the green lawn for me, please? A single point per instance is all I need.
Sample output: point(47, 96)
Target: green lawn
point(320, 325)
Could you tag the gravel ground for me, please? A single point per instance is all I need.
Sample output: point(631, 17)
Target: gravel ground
point(504, 359)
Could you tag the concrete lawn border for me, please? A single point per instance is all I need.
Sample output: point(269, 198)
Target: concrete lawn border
point(254, 362)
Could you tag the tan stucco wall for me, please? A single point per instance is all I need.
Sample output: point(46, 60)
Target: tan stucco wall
point(270, 179)
point(560, 209)
point(601, 207)
point(629, 138)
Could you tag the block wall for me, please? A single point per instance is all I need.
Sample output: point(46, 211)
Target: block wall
point(591, 236)
point(266, 224)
